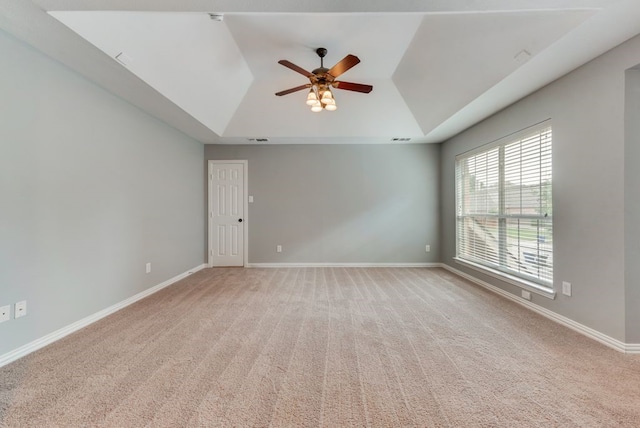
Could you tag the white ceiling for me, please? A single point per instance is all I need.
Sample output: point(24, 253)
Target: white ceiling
point(437, 66)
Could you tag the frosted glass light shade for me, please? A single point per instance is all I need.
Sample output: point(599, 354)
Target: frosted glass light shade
point(327, 97)
point(312, 98)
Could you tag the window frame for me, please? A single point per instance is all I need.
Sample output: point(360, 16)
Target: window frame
point(499, 268)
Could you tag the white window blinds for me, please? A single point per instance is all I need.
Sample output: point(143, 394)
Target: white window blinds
point(504, 209)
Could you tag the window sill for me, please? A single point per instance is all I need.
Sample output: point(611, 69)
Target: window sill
point(510, 279)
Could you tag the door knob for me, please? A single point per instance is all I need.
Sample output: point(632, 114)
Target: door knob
point(239, 220)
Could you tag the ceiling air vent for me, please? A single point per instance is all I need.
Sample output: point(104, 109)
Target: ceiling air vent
point(401, 139)
point(124, 59)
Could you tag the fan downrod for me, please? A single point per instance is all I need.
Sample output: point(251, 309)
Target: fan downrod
point(321, 53)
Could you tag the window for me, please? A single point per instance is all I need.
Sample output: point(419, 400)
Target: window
point(504, 209)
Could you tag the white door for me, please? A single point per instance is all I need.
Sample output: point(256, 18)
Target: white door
point(226, 213)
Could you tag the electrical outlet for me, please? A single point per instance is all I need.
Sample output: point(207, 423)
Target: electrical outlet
point(5, 313)
point(148, 267)
point(278, 248)
point(526, 294)
point(427, 248)
point(20, 309)
point(566, 288)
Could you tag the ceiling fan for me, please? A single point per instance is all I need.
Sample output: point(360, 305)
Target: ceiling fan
point(322, 79)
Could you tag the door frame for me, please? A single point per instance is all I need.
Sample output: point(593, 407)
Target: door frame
point(245, 209)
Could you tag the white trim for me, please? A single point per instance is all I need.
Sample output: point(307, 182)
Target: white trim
point(511, 279)
point(360, 265)
point(245, 203)
point(632, 348)
point(609, 341)
point(72, 328)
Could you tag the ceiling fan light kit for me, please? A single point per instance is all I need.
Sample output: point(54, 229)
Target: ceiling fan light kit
point(321, 98)
point(322, 79)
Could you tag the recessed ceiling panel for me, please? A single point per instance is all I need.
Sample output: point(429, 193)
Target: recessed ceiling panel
point(453, 59)
point(189, 58)
point(378, 40)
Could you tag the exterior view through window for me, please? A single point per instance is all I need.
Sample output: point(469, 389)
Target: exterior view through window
point(504, 209)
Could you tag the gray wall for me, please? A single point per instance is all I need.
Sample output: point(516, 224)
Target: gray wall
point(340, 203)
point(588, 111)
point(632, 205)
point(91, 189)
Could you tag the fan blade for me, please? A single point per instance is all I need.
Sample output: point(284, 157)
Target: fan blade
point(344, 65)
point(357, 87)
point(294, 67)
point(296, 89)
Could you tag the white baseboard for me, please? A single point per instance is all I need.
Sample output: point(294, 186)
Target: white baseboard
point(72, 328)
point(632, 348)
point(629, 348)
point(358, 265)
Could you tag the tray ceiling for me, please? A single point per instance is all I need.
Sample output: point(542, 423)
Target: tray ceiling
point(437, 67)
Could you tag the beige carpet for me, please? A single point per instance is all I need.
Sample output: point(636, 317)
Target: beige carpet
point(323, 347)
